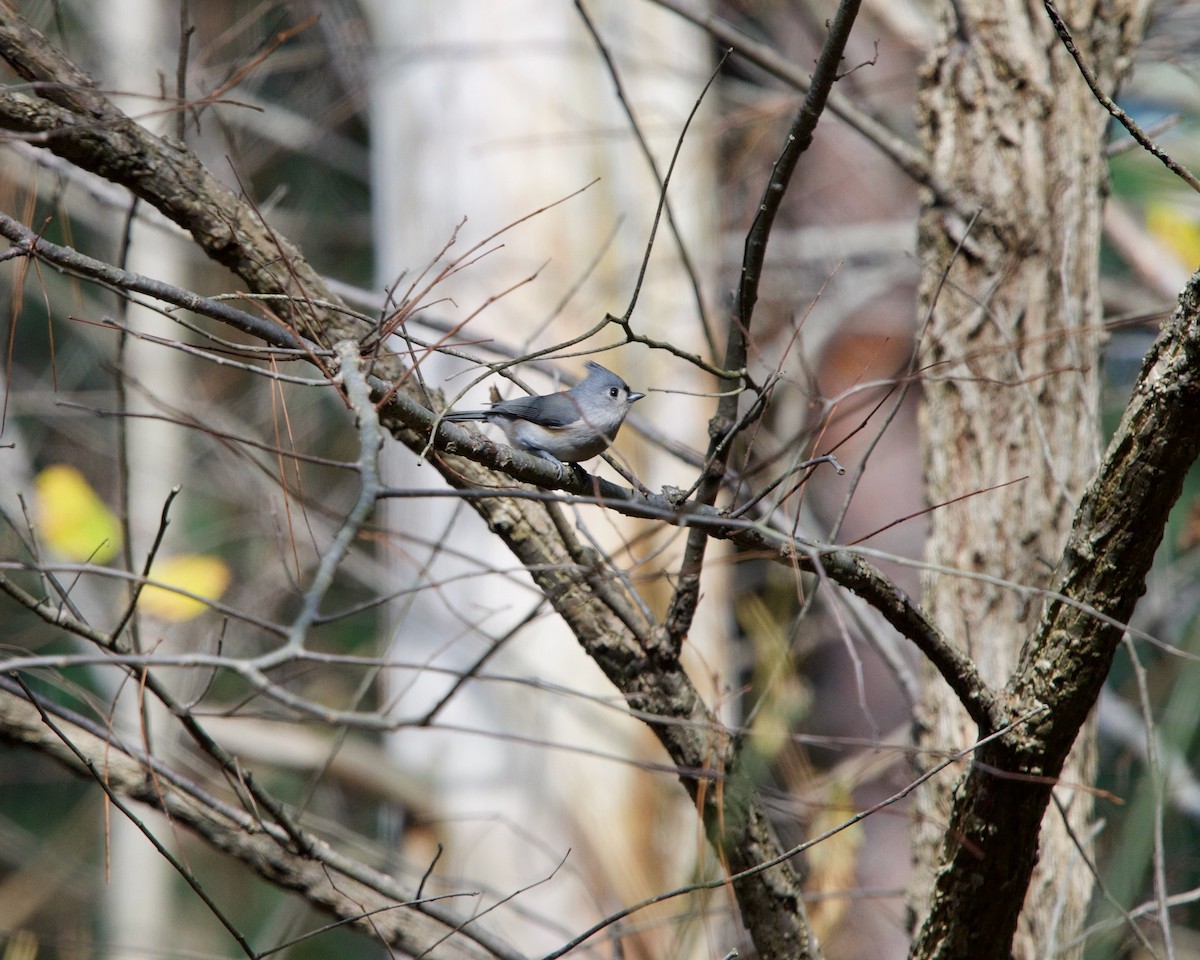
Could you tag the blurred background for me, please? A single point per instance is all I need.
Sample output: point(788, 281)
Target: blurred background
point(524, 142)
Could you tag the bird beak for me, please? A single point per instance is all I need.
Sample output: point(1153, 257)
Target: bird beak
point(635, 396)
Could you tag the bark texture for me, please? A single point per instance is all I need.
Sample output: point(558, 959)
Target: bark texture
point(991, 845)
point(1010, 365)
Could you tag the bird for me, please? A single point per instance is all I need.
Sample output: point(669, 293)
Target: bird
point(566, 427)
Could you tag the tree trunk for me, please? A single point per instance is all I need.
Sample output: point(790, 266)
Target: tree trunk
point(1010, 366)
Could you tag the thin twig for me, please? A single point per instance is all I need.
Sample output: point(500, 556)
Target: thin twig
point(907, 157)
point(799, 848)
point(685, 259)
point(102, 781)
point(473, 670)
point(1110, 105)
point(358, 395)
point(725, 421)
point(181, 69)
point(240, 833)
point(143, 581)
point(78, 264)
point(1155, 776)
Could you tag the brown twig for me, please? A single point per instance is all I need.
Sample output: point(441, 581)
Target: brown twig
point(1123, 118)
point(721, 427)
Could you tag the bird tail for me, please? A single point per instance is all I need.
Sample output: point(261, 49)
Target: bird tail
point(455, 415)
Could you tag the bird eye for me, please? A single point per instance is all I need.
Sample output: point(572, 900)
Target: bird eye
point(613, 392)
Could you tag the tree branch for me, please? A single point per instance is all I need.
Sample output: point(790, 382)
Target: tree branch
point(81, 265)
point(89, 132)
point(991, 844)
point(1115, 111)
point(724, 423)
point(907, 157)
point(79, 124)
point(843, 567)
point(323, 877)
point(82, 127)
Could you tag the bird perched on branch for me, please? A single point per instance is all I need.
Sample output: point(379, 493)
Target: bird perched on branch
point(566, 427)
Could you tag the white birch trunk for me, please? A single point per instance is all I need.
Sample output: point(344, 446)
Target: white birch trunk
point(491, 111)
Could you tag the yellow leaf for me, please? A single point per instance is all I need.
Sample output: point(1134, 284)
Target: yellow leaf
point(71, 519)
point(1176, 228)
point(202, 575)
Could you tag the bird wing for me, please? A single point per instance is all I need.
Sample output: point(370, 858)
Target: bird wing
point(556, 410)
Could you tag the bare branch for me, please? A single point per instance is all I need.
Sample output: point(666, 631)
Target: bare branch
point(907, 157)
point(81, 265)
point(82, 126)
point(1123, 118)
point(325, 878)
point(1117, 529)
point(725, 422)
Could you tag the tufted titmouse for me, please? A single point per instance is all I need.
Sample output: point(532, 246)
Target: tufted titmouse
point(567, 427)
